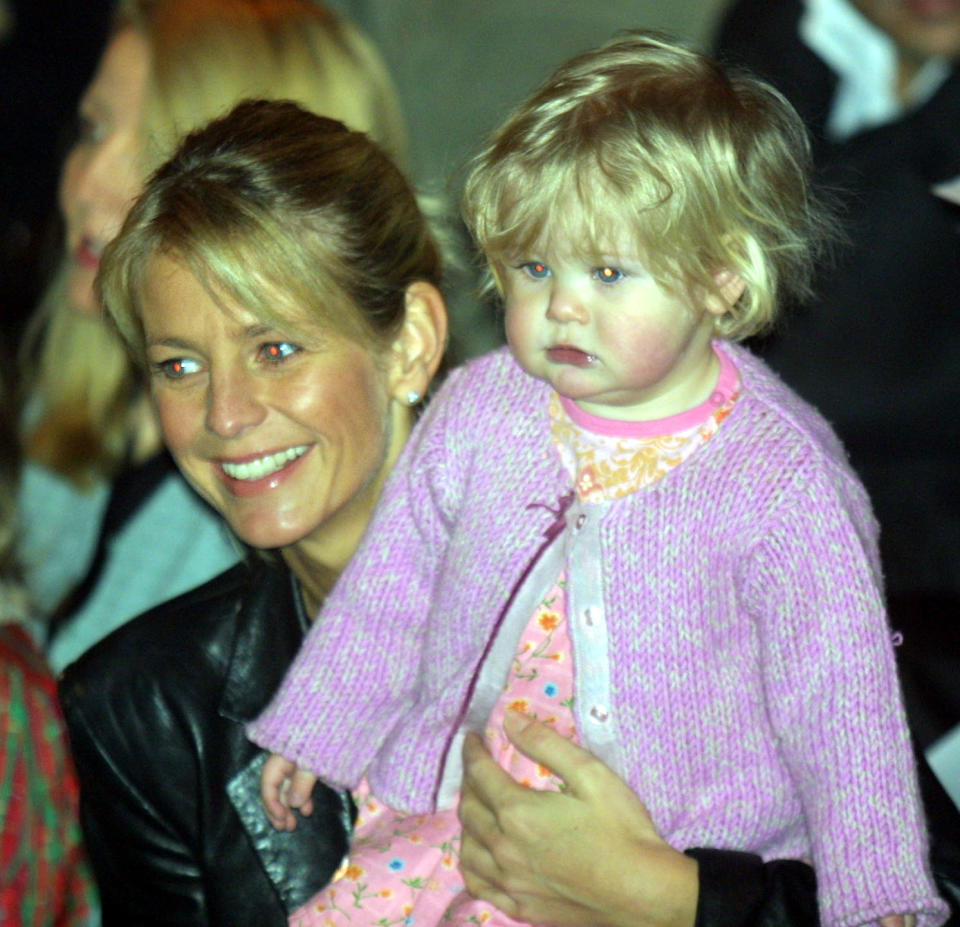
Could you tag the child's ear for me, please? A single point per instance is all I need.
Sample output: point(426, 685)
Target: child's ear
point(729, 287)
point(418, 348)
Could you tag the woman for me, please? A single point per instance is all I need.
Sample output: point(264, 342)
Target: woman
point(94, 454)
point(280, 285)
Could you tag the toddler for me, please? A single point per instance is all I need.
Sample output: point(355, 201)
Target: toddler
point(623, 524)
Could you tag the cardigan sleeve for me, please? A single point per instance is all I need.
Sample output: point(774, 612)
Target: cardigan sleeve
point(357, 671)
point(834, 701)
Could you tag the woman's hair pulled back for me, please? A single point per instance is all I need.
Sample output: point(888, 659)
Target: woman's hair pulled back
point(289, 214)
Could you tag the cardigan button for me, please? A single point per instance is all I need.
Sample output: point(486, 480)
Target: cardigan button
point(592, 616)
point(599, 713)
point(581, 519)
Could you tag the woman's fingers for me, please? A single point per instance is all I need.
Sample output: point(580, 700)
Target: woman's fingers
point(536, 854)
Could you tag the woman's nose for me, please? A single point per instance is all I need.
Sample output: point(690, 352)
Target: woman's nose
point(565, 305)
point(233, 405)
point(103, 185)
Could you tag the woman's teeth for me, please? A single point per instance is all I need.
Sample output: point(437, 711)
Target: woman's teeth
point(263, 466)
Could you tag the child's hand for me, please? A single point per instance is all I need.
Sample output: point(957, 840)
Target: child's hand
point(898, 920)
point(283, 785)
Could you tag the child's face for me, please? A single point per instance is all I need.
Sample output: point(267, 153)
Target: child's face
point(607, 335)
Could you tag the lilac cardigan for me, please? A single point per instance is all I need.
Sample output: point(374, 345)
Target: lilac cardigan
point(753, 697)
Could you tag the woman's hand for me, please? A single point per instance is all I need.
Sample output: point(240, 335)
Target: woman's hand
point(283, 785)
point(586, 856)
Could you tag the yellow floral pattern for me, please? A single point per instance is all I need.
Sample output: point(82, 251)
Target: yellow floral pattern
point(608, 467)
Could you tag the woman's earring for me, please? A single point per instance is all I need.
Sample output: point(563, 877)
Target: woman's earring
point(413, 397)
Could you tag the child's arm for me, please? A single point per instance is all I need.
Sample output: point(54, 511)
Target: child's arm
point(284, 786)
point(814, 587)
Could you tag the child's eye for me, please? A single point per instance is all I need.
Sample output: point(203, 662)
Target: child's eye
point(176, 368)
point(608, 274)
point(277, 351)
point(535, 269)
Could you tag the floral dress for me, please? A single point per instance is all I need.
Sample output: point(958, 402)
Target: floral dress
point(403, 869)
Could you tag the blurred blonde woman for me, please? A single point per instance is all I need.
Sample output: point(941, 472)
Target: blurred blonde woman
point(104, 509)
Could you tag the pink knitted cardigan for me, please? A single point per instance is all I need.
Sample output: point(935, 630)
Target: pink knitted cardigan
point(754, 697)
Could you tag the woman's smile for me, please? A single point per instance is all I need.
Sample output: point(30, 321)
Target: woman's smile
point(256, 468)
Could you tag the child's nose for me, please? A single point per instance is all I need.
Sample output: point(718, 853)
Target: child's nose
point(565, 305)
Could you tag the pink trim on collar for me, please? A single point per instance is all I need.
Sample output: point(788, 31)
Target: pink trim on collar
point(723, 392)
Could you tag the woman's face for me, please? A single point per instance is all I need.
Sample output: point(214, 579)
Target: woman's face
point(289, 437)
point(103, 172)
point(920, 28)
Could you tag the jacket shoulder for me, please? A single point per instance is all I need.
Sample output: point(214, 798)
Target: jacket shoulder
point(153, 645)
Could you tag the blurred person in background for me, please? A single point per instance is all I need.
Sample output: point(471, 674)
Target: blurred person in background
point(101, 503)
point(44, 877)
point(878, 350)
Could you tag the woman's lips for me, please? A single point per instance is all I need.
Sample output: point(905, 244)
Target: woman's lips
point(86, 255)
point(933, 9)
point(254, 474)
point(567, 354)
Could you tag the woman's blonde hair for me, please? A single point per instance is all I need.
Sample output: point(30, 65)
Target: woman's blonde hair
point(699, 167)
point(291, 215)
point(205, 56)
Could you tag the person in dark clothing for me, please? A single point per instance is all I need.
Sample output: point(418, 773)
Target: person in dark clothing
point(879, 349)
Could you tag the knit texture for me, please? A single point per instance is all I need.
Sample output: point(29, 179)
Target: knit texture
point(754, 690)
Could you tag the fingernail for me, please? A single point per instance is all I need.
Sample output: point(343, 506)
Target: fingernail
point(516, 720)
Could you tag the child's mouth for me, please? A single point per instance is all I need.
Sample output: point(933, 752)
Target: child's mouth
point(566, 354)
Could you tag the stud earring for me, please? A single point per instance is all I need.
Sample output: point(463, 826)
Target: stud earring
point(413, 397)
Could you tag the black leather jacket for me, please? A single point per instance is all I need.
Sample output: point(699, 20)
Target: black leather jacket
point(170, 800)
point(169, 783)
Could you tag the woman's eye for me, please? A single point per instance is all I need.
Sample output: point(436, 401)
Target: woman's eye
point(535, 269)
point(609, 274)
point(176, 368)
point(276, 351)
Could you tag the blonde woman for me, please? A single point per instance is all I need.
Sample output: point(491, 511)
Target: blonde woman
point(278, 283)
point(90, 439)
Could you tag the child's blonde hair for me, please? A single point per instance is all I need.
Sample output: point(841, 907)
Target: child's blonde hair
point(700, 167)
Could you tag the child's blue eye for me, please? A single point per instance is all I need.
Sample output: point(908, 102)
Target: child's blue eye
point(609, 274)
point(536, 269)
point(176, 368)
point(279, 350)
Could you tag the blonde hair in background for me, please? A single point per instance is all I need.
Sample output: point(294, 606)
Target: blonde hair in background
point(701, 167)
point(206, 55)
point(292, 215)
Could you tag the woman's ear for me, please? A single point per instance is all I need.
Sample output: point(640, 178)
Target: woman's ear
point(418, 348)
point(729, 287)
